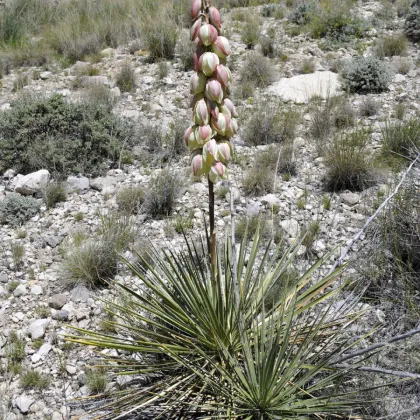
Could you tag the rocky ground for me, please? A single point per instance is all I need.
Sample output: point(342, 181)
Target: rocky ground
point(40, 308)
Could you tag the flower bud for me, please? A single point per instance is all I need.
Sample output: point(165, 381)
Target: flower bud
point(198, 165)
point(208, 63)
point(223, 75)
point(215, 18)
point(195, 8)
point(224, 150)
point(225, 110)
point(232, 129)
point(196, 56)
point(195, 29)
point(207, 34)
point(210, 152)
point(217, 172)
point(198, 83)
point(220, 124)
point(203, 134)
point(213, 107)
point(214, 91)
point(221, 47)
point(201, 113)
point(195, 99)
point(189, 134)
point(229, 104)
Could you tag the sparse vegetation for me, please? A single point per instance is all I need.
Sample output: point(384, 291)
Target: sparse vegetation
point(16, 209)
point(32, 379)
point(125, 78)
point(250, 30)
point(401, 137)
point(96, 380)
point(257, 70)
point(54, 192)
point(391, 45)
point(15, 348)
point(130, 199)
point(185, 50)
point(369, 107)
point(307, 66)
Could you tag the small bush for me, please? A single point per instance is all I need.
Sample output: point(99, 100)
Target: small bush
point(400, 138)
point(16, 209)
point(162, 69)
point(17, 251)
point(343, 115)
point(366, 74)
point(309, 234)
point(125, 78)
point(258, 180)
point(347, 161)
point(303, 13)
point(185, 49)
point(257, 70)
point(270, 124)
point(369, 107)
point(20, 82)
point(15, 348)
point(250, 30)
point(267, 43)
point(307, 66)
point(32, 379)
point(412, 23)
point(400, 109)
point(55, 192)
point(130, 199)
point(401, 65)
point(163, 190)
point(96, 380)
point(391, 45)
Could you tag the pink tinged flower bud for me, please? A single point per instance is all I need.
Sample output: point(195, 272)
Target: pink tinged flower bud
point(229, 104)
point(201, 113)
point(223, 75)
point(207, 34)
point(221, 47)
point(195, 29)
point(224, 150)
point(220, 124)
point(210, 152)
point(203, 134)
point(208, 63)
point(198, 165)
point(189, 135)
point(232, 129)
point(195, 99)
point(195, 8)
point(215, 18)
point(214, 109)
point(217, 172)
point(198, 83)
point(214, 91)
point(196, 56)
point(225, 110)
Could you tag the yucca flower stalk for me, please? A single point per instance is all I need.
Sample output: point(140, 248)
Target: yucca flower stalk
point(213, 112)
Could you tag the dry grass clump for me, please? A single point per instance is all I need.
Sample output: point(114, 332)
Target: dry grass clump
point(130, 199)
point(251, 30)
point(126, 78)
point(257, 70)
point(401, 138)
point(55, 192)
point(369, 107)
point(390, 46)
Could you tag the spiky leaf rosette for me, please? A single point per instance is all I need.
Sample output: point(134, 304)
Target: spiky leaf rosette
point(210, 87)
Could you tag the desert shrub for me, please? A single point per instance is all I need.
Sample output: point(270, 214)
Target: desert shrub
point(32, 379)
point(343, 115)
point(366, 74)
point(390, 46)
point(400, 109)
point(15, 348)
point(164, 188)
point(98, 95)
point(402, 6)
point(250, 30)
point(307, 66)
point(401, 65)
point(401, 138)
point(267, 43)
point(368, 107)
point(20, 82)
point(96, 380)
point(257, 70)
point(412, 23)
point(130, 199)
point(347, 161)
point(268, 123)
point(258, 180)
point(185, 49)
point(303, 13)
point(63, 137)
point(126, 78)
point(272, 10)
point(162, 69)
point(309, 234)
point(54, 192)
point(16, 209)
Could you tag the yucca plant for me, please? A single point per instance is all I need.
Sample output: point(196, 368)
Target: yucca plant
point(203, 355)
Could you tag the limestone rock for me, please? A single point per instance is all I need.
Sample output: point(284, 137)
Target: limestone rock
point(23, 403)
point(350, 198)
point(58, 301)
point(33, 182)
point(37, 328)
point(291, 227)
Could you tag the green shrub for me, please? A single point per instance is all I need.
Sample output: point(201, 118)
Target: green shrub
point(368, 107)
point(32, 379)
point(130, 199)
point(366, 74)
point(185, 50)
point(268, 123)
point(17, 250)
point(250, 30)
point(412, 23)
point(273, 10)
point(347, 161)
point(307, 66)
point(162, 69)
point(390, 46)
point(125, 78)
point(267, 43)
point(401, 138)
point(303, 13)
point(96, 380)
point(54, 192)
point(164, 188)
point(309, 234)
point(63, 137)
point(258, 70)
point(258, 180)
point(16, 209)
point(15, 348)
point(20, 82)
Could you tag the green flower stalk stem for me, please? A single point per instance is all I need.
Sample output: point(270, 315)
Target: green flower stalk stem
point(213, 112)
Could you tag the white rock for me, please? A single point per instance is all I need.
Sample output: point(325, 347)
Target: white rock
point(20, 290)
point(9, 174)
point(301, 88)
point(291, 227)
point(23, 402)
point(269, 199)
point(43, 351)
point(350, 198)
point(78, 183)
point(36, 290)
point(37, 328)
point(33, 182)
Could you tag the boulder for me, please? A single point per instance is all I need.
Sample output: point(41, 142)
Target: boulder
point(32, 183)
point(350, 198)
point(23, 403)
point(37, 328)
point(58, 301)
point(78, 183)
point(9, 174)
point(20, 290)
point(291, 227)
point(300, 89)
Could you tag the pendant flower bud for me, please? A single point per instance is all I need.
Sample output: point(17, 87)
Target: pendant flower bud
point(208, 63)
point(198, 83)
point(232, 129)
point(215, 18)
point(220, 124)
point(195, 29)
point(225, 110)
point(198, 166)
point(196, 56)
point(189, 134)
point(221, 47)
point(214, 91)
point(224, 150)
point(210, 152)
point(195, 8)
point(207, 34)
point(223, 75)
point(214, 109)
point(203, 134)
point(201, 113)
point(217, 172)
point(229, 104)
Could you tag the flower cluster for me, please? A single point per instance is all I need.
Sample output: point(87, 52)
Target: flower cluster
point(214, 113)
